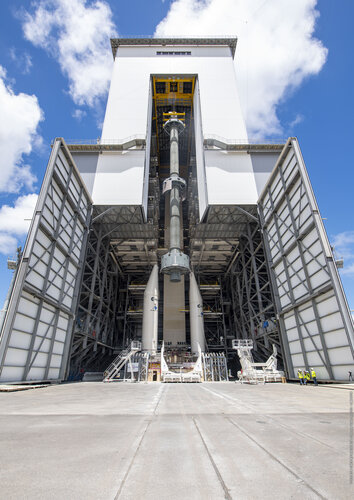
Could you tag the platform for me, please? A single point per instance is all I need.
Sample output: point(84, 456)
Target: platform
point(175, 441)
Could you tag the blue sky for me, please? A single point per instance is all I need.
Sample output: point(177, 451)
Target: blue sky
point(294, 64)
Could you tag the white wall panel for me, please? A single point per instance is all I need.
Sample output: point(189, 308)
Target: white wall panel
point(263, 165)
point(199, 153)
point(126, 113)
point(36, 336)
point(86, 164)
point(313, 313)
point(147, 154)
point(119, 178)
point(230, 178)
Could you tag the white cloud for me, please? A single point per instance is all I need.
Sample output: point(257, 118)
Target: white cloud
point(344, 240)
point(8, 244)
point(79, 114)
point(20, 116)
point(77, 33)
point(15, 221)
point(276, 48)
point(343, 244)
point(22, 60)
point(299, 118)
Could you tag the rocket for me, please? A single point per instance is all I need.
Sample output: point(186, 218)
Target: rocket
point(151, 312)
point(196, 316)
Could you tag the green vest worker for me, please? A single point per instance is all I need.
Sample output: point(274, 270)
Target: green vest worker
point(313, 375)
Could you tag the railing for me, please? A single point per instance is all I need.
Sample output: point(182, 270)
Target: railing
point(236, 343)
point(122, 358)
point(210, 137)
point(103, 142)
point(244, 141)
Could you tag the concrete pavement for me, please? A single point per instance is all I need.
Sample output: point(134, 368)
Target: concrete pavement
point(175, 441)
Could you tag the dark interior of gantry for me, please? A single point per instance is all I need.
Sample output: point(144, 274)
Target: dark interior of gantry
point(226, 254)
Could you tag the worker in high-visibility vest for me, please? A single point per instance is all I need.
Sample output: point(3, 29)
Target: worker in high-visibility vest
point(301, 377)
point(307, 377)
point(313, 376)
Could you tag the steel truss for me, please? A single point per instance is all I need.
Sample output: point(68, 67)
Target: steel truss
point(121, 250)
point(227, 254)
point(252, 313)
point(214, 315)
point(214, 367)
point(95, 330)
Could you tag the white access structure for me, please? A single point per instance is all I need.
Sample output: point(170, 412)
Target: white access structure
point(194, 375)
point(252, 372)
point(257, 264)
point(120, 361)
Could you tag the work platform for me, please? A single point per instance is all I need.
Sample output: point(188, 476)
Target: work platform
point(175, 441)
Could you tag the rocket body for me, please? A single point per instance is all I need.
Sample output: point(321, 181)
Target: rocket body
point(151, 312)
point(196, 316)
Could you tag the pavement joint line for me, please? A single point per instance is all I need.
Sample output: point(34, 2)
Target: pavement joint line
point(298, 478)
point(228, 398)
point(132, 461)
point(215, 467)
point(159, 396)
point(272, 419)
point(303, 434)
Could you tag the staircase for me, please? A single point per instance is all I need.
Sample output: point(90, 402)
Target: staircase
point(119, 362)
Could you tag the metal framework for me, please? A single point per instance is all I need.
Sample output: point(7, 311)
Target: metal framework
point(121, 250)
point(95, 327)
point(314, 318)
point(36, 335)
point(266, 272)
point(248, 285)
point(214, 367)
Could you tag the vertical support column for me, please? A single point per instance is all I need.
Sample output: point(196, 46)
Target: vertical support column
point(92, 287)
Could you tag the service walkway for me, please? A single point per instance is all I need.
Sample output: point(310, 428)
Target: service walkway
point(153, 441)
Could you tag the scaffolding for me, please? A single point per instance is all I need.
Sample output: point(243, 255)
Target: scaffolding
point(248, 286)
point(214, 367)
point(95, 329)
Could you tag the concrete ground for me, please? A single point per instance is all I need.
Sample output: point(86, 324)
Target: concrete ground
point(175, 441)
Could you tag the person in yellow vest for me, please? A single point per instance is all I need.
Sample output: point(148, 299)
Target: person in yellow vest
point(301, 377)
point(313, 376)
point(307, 377)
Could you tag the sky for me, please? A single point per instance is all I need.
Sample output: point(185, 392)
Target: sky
point(294, 65)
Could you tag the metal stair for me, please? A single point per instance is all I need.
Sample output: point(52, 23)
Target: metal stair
point(119, 362)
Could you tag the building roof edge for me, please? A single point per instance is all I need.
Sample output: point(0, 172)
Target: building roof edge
point(230, 42)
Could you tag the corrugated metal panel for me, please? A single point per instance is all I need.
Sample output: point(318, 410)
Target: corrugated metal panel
point(315, 322)
point(36, 336)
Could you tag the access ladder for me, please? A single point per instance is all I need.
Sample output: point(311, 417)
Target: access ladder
point(120, 361)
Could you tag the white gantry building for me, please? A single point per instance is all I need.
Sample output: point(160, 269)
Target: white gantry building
point(173, 233)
